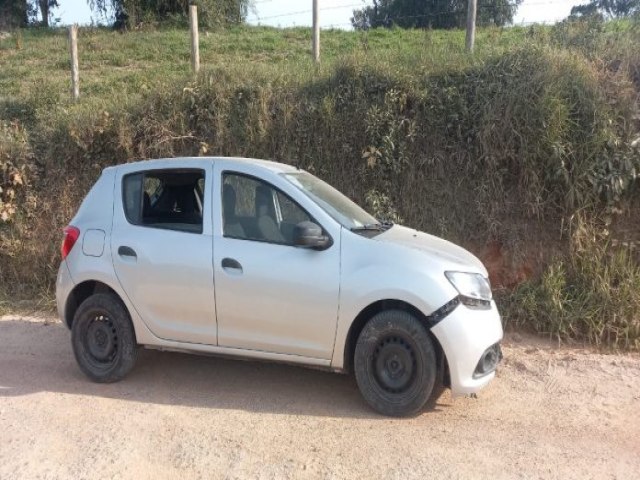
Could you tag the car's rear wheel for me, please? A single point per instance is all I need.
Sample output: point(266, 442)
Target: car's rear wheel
point(103, 339)
point(395, 363)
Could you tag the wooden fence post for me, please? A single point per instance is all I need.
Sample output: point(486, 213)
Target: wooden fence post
point(471, 25)
point(195, 47)
point(73, 48)
point(316, 32)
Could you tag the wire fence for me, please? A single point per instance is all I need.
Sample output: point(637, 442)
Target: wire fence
point(261, 5)
point(193, 26)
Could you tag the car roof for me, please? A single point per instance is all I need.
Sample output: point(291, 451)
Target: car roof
point(268, 164)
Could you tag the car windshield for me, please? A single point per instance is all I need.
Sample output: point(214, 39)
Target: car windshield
point(346, 212)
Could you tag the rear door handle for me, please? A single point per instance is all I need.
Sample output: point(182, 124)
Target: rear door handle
point(125, 251)
point(231, 263)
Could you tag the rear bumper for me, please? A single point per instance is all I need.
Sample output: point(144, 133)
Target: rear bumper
point(465, 335)
point(64, 285)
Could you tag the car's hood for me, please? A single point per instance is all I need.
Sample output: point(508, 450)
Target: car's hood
point(438, 249)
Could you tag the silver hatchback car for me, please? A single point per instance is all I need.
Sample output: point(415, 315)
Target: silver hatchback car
point(257, 259)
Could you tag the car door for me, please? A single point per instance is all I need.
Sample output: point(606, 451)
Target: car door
point(162, 249)
point(270, 295)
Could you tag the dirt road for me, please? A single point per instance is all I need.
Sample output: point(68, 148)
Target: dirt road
point(551, 413)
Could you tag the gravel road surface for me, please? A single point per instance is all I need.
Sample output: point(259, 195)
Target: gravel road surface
point(550, 413)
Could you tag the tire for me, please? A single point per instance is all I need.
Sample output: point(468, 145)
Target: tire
point(395, 363)
point(103, 339)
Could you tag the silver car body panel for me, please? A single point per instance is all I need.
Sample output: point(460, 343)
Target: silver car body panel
point(285, 299)
point(464, 335)
point(288, 304)
point(170, 281)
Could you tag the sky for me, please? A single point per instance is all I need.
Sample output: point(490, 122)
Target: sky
point(333, 13)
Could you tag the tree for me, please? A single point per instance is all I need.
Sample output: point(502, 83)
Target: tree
point(22, 13)
point(432, 13)
point(45, 10)
point(129, 13)
point(609, 8)
point(17, 13)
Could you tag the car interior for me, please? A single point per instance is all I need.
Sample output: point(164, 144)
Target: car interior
point(170, 200)
point(253, 210)
point(173, 199)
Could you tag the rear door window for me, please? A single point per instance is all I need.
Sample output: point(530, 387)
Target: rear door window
point(170, 199)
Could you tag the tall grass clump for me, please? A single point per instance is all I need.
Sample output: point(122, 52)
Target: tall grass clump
point(592, 295)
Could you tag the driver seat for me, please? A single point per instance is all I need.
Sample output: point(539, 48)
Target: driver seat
point(266, 215)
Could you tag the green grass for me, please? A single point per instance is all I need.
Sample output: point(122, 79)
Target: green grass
point(127, 65)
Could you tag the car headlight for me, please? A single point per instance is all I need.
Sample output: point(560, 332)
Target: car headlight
point(474, 289)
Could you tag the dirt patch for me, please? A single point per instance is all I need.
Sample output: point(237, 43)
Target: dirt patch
point(551, 413)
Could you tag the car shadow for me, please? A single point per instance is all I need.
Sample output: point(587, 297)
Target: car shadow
point(36, 356)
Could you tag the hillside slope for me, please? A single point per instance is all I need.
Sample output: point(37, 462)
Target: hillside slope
point(526, 153)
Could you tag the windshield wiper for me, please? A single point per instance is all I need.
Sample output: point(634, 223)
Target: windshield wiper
point(368, 227)
point(375, 227)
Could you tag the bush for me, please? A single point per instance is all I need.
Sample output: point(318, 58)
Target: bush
point(17, 202)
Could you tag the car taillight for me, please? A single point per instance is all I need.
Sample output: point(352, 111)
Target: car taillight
point(71, 235)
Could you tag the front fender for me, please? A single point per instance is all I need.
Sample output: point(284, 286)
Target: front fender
point(397, 273)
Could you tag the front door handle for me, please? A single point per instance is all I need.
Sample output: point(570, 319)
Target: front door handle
point(125, 251)
point(231, 263)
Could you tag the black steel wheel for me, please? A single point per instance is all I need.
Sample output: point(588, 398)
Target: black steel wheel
point(395, 363)
point(103, 338)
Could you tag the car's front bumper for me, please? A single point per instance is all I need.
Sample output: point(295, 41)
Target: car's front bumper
point(465, 335)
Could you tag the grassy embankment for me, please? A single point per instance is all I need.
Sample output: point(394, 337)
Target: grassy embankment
point(527, 147)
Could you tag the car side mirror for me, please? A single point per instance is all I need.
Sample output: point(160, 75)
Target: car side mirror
point(310, 235)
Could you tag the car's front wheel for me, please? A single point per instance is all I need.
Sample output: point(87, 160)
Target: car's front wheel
point(395, 363)
point(103, 339)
